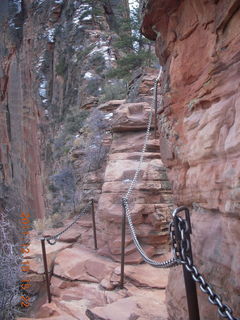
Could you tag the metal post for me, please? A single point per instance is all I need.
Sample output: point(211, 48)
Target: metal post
point(123, 245)
point(155, 108)
point(190, 285)
point(94, 226)
point(46, 269)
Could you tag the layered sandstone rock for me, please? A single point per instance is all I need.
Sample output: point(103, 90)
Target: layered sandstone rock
point(197, 43)
point(151, 201)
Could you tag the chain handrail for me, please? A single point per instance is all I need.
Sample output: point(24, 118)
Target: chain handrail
point(53, 239)
point(164, 264)
point(180, 249)
point(223, 309)
point(167, 263)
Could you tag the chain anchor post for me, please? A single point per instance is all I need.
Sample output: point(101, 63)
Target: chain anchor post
point(123, 244)
point(46, 269)
point(190, 285)
point(94, 225)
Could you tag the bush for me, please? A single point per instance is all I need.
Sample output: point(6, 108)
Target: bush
point(97, 151)
point(128, 63)
point(114, 91)
point(9, 269)
point(75, 122)
point(93, 87)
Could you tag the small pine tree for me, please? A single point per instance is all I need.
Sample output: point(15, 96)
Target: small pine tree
point(135, 50)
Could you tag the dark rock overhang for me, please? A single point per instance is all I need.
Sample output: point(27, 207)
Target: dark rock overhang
point(156, 12)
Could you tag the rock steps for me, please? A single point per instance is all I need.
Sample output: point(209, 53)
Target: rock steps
point(85, 283)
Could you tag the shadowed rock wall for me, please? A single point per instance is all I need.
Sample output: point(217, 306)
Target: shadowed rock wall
point(54, 56)
point(197, 43)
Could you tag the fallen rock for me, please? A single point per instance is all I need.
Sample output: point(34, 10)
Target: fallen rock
point(147, 276)
point(124, 309)
point(146, 306)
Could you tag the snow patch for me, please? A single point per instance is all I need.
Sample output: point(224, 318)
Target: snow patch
point(39, 2)
point(104, 48)
point(87, 18)
point(88, 75)
point(39, 63)
point(43, 88)
point(51, 35)
point(59, 1)
point(127, 181)
point(108, 116)
point(18, 5)
point(80, 14)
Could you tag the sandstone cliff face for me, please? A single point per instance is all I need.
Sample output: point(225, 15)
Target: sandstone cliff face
point(197, 43)
point(54, 55)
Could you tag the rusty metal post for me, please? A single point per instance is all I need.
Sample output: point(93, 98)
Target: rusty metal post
point(46, 269)
point(123, 245)
point(94, 226)
point(190, 285)
point(155, 108)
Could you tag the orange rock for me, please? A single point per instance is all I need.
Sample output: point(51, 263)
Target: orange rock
point(197, 42)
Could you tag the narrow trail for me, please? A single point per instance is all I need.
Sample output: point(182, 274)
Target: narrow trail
point(85, 282)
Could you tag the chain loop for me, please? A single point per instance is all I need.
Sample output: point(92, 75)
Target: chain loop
point(53, 239)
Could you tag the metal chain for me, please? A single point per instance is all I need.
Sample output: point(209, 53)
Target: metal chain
point(223, 309)
point(180, 252)
point(168, 263)
point(134, 180)
point(53, 239)
point(165, 264)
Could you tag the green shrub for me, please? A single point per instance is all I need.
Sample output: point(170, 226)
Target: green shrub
point(75, 122)
point(114, 91)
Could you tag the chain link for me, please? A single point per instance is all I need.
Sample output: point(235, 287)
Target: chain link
point(53, 239)
point(168, 263)
point(180, 249)
point(165, 264)
point(223, 309)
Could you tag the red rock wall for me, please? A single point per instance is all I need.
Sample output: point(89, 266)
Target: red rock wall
point(20, 174)
point(197, 43)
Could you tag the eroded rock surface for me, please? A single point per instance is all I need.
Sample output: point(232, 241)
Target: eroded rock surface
point(197, 42)
point(85, 285)
point(151, 201)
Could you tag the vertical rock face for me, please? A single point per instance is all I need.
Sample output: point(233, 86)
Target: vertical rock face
point(20, 175)
point(197, 43)
point(54, 56)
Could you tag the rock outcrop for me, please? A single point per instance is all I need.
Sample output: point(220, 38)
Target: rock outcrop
point(197, 43)
point(151, 201)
